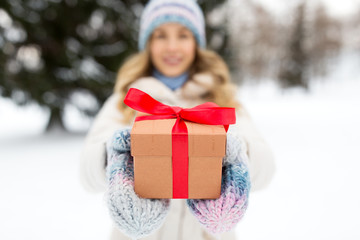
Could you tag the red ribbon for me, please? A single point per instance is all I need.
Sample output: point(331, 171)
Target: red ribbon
point(208, 113)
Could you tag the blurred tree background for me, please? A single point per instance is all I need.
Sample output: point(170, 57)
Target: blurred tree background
point(293, 69)
point(291, 49)
point(52, 50)
point(55, 52)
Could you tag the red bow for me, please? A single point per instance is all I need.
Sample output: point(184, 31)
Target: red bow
point(208, 113)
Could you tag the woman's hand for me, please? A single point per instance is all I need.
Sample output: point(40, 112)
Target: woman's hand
point(134, 216)
point(222, 214)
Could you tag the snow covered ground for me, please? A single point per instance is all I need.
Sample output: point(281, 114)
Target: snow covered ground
point(316, 140)
point(315, 194)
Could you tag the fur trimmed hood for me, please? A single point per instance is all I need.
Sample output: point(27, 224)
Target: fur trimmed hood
point(188, 95)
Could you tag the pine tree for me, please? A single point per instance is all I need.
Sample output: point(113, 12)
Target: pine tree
point(324, 41)
point(52, 50)
point(294, 67)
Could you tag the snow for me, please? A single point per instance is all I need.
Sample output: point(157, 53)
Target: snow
point(41, 197)
point(315, 138)
point(315, 194)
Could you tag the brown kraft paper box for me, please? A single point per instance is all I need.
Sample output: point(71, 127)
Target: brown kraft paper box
point(151, 147)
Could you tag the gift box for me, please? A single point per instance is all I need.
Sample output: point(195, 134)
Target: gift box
point(177, 151)
point(151, 147)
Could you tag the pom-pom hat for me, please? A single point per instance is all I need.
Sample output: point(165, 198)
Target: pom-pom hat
point(185, 12)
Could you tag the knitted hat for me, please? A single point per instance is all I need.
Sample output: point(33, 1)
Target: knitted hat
point(185, 12)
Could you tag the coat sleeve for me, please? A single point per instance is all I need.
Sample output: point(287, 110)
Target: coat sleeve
point(93, 154)
point(261, 159)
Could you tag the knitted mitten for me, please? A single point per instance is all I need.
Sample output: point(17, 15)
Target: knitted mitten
point(222, 214)
point(134, 216)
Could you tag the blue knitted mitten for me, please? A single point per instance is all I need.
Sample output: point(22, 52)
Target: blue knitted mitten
point(134, 216)
point(222, 214)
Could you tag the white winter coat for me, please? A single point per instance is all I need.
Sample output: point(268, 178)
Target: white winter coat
point(179, 223)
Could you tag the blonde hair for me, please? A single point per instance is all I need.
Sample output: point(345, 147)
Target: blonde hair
point(139, 65)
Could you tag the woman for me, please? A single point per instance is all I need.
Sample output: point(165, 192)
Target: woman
point(173, 67)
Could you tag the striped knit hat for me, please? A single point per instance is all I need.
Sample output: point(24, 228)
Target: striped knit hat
point(185, 12)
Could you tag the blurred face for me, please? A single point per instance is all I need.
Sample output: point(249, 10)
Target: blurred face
point(172, 49)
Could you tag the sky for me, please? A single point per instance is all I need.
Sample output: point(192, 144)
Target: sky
point(338, 8)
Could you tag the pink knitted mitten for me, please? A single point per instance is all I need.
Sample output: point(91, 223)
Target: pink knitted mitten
point(222, 214)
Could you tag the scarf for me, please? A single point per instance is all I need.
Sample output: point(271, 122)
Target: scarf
point(171, 82)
